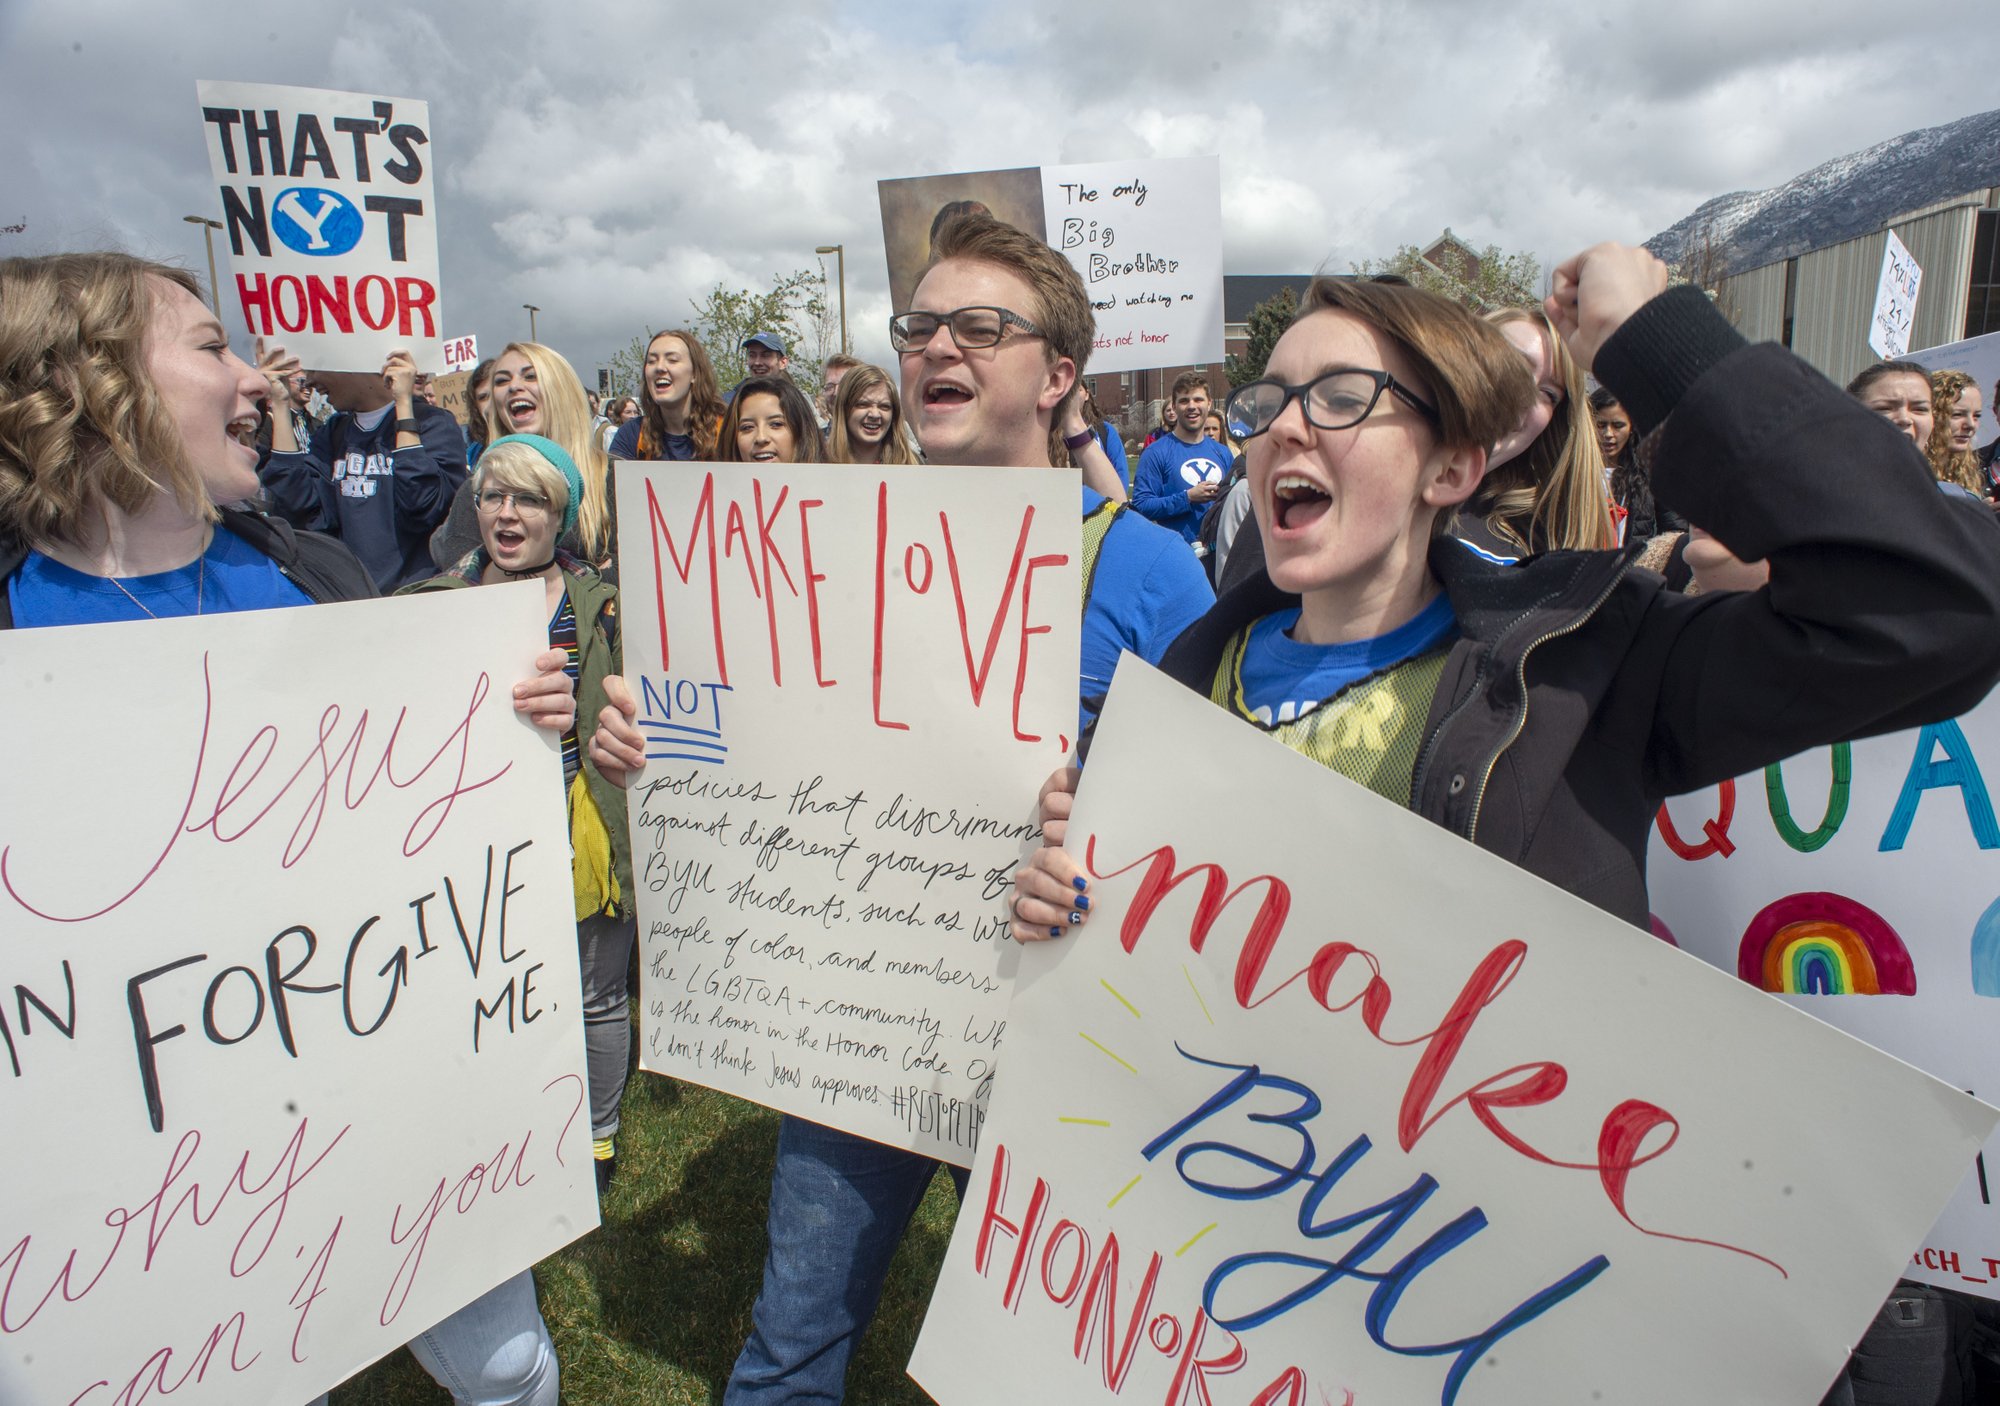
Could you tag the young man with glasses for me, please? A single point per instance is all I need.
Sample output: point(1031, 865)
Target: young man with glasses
point(998, 332)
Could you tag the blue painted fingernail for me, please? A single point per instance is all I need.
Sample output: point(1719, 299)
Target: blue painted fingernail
point(1055, 932)
point(1083, 901)
point(1075, 918)
point(1080, 883)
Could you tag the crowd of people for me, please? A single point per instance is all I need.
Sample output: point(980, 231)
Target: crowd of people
point(1441, 519)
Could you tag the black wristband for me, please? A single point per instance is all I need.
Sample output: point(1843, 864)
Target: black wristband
point(1074, 442)
point(408, 426)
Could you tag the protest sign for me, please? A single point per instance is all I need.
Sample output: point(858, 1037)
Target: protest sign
point(852, 682)
point(1326, 1104)
point(1858, 883)
point(1145, 235)
point(452, 396)
point(331, 217)
point(1979, 358)
point(461, 353)
point(291, 1057)
point(1895, 300)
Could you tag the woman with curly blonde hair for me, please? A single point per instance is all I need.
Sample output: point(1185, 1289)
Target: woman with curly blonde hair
point(1955, 411)
point(1544, 487)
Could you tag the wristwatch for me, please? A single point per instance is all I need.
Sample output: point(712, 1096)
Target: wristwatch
point(408, 426)
point(1074, 442)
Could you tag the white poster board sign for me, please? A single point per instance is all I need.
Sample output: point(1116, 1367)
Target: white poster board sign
point(1859, 883)
point(1979, 358)
point(1325, 1104)
point(291, 1057)
point(852, 682)
point(461, 353)
point(1895, 300)
point(1145, 235)
point(330, 214)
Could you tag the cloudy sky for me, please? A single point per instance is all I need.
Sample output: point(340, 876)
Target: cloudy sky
point(612, 168)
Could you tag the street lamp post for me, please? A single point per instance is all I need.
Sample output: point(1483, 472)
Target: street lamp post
point(532, 310)
point(839, 251)
point(208, 229)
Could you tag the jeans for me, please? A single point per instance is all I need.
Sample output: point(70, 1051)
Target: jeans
point(493, 1352)
point(604, 950)
point(839, 1206)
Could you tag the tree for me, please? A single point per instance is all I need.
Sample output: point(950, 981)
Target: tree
point(627, 366)
point(1704, 262)
point(795, 309)
point(1267, 322)
point(1482, 280)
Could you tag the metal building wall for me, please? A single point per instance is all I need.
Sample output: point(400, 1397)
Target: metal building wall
point(1755, 302)
point(1836, 290)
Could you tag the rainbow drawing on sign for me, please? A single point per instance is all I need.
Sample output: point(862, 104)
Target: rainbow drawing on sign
point(1986, 952)
point(1824, 944)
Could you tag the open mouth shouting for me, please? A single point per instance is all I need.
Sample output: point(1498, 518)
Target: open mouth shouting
point(523, 412)
point(1297, 503)
point(946, 395)
point(243, 429)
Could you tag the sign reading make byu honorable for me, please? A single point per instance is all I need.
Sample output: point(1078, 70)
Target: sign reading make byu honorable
point(291, 1057)
point(329, 210)
point(1861, 883)
point(852, 682)
point(1146, 237)
point(1325, 1104)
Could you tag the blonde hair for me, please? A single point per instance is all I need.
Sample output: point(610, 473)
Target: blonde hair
point(567, 420)
point(520, 466)
point(81, 425)
point(1551, 495)
point(1961, 468)
point(856, 381)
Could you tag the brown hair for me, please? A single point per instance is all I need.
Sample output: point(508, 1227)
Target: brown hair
point(1551, 495)
point(807, 445)
point(81, 425)
point(705, 406)
point(1187, 381)
point(859, 380)
point(1960, 468)
point(1061, 306)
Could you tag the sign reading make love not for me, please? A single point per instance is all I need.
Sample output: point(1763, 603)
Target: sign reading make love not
point(1861, 883)
point(1145, 235)
point(1326, 1104)
point(291, 1063)
point(852, 682)
point(331, 216)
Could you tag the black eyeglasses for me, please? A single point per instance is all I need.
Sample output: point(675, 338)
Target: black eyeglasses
point(971, 328)
point(1332, 402)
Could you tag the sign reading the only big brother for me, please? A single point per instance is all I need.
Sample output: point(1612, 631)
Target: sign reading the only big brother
point(291, 1052)
point(1325, 1104)
point(852, 682)
point(1146, 236)
point(1861, 883)
point(330, 213)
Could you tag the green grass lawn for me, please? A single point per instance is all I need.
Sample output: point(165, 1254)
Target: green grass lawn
point(653, 1305)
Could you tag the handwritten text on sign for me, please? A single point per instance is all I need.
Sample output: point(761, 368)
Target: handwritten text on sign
point(1326, 1104)
point(292, 1056)
point(851, 682)
point(1861, 883)
point(330, 212)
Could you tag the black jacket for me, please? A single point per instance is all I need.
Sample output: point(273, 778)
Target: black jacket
point(1581, 692)
point(319, 566)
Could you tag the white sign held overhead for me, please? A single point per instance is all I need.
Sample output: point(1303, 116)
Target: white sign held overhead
point(1326, 1104)
point(329, 210)
point(1895, 300)
point(461, 353)
point(292, 1062)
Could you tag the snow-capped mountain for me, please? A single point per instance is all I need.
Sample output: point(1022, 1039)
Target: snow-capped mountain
point(1847, 196)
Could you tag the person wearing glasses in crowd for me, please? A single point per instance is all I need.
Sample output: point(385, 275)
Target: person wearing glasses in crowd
point(998, 329)
point(527, 492)
point(867, 420)
point(680, 402)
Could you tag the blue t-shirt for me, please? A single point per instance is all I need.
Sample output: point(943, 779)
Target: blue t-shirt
point(1167, 470)
point(1147, 589)
point(231, 575)
point(1283, 679)
point(625, 443)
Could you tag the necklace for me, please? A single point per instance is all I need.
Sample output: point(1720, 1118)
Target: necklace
point(527, 572)
point(200, 582)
